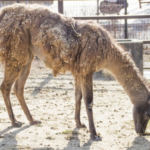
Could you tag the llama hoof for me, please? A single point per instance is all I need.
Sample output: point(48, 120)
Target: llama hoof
point(96, 138)
point(34, 122)
point(17, 124)
point(81, 126)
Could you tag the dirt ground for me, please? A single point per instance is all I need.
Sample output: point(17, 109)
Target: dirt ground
point(51, 100)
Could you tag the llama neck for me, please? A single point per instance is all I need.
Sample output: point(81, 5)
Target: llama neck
point(127, 74)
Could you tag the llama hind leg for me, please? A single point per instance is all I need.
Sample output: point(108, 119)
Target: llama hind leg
point(11, 74)
point(87, 92)
point(19, 90)
point(78, 97)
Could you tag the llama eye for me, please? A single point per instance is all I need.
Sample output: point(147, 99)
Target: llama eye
point(147, 115)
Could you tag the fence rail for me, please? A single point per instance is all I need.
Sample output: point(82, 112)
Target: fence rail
point(112, 17)
point(118, 17)
point(135, 26)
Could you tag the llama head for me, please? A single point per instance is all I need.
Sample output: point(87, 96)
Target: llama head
point(141, 116)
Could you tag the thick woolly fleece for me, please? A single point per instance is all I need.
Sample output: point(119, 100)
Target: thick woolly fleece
point(68, 44)
point(63, 44)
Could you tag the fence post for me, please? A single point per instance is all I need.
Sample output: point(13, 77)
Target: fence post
point(97, 9)
point(126, 21)
point(60, 6)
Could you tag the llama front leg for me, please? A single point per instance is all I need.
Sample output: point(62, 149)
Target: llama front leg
point(19, 90)
point(11, 74)
point(78, 97)
point(87, 92)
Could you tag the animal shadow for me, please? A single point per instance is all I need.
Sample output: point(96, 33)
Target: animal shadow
point(140, 143)
point(11, 143)
point(44, 148)
point(42, 84)
point(9, 138)
point(74, 142)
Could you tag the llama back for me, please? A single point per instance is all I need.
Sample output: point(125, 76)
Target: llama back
point(21, 24)
point(57, 39)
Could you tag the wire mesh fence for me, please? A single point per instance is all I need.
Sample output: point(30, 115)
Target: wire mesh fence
point(137, 28)
point(115, 27)
point(49, 3)
point(86, 8)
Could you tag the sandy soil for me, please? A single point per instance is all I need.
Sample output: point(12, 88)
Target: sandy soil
point(51, 100)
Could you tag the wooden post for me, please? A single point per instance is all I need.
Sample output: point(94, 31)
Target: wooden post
point(140, 3)
point(60, 6)
point(97, 9)
point(126, 22)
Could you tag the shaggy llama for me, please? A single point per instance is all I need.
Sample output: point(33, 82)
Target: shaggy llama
point(64, 44)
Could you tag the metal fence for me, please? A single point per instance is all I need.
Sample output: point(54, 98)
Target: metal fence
point(120, 28)
point(135, 28)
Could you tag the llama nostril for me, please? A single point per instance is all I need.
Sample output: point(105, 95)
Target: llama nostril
point(138, 129)
point(140, 134)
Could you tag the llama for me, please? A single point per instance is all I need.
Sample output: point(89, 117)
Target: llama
point(64, 44)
